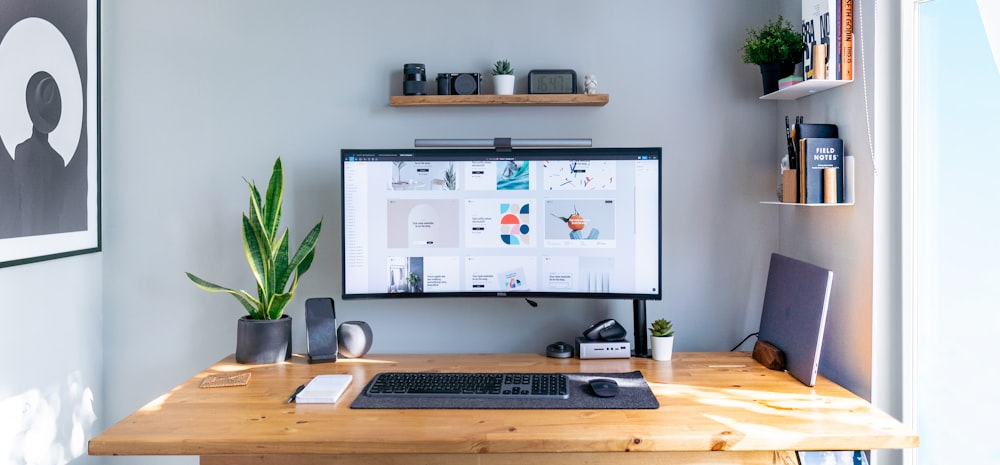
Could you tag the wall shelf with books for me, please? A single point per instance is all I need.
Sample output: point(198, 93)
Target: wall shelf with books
point(824, 22)
point(848, 190)
point(804, 88)
point(593, 100)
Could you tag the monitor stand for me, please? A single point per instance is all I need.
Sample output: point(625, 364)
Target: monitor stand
point(641, 342)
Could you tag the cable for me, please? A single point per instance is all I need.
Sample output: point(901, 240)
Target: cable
point(744, 340)
point(864, 83)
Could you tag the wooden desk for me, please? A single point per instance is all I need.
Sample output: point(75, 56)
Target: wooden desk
point(714, 407)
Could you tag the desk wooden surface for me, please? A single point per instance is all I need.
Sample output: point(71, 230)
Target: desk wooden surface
point(709, 402)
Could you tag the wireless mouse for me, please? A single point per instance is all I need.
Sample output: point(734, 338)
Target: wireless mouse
point(604, 387)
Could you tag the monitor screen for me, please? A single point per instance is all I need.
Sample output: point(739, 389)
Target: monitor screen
point(573, 222)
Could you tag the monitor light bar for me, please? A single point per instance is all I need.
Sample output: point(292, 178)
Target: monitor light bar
point(502, 142)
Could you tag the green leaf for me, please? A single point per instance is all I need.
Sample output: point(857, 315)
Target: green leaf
point(255, 211)
point(256, 247)
point(206, 285)
point(272, 204)
point(249, 303)
point(277, 304)
point(303, 257)
point(306, 263)
point(281, 268)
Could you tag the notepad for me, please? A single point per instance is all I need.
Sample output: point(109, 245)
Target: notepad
point(324, 389)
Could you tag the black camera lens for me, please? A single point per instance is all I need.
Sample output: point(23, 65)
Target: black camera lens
point(414, 72)
point(414, 79)
point(466, 84)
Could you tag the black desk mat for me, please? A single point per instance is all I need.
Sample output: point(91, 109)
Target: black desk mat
point(633, 394)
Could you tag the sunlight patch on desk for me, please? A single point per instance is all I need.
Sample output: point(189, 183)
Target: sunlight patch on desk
point(748, 429)
point(156, 404)
point(783, 406)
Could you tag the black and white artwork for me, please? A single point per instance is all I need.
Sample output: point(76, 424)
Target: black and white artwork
point(49, 150)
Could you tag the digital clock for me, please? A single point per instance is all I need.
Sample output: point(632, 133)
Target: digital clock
point(552, 81)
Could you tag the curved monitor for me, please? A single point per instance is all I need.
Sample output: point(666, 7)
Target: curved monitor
point(571, 222)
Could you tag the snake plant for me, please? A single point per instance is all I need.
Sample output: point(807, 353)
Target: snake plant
point(277, 276)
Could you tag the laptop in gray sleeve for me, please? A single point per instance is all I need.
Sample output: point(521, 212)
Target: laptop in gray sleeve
point(794, 314)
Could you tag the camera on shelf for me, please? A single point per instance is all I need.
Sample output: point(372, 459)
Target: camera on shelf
point(458, 83)
point(414, 79)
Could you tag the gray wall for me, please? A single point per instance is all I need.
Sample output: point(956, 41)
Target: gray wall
point(841, 239)
point(197, 95)
point(51, 372)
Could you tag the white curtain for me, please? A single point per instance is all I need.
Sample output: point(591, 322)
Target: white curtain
point(956, 203)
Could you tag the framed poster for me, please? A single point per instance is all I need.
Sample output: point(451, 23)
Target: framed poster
point(50, 190)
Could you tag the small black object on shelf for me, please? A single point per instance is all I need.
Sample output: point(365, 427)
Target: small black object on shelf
point(559, 349)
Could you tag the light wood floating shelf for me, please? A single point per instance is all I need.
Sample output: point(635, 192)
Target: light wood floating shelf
point(592, 100)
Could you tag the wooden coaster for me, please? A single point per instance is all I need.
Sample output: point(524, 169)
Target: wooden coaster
point(227, 380)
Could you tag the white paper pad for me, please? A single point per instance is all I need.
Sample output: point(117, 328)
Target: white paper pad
point(324, 389)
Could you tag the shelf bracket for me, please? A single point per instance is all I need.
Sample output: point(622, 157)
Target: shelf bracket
point(502, 144)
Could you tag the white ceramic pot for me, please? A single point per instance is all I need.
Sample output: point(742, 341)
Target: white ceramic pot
point(503, 84)
point(663, 347)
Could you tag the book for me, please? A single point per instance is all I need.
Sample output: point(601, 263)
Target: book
point(837, 32)
point(816, 155)
point(819, 19)
point(324, 389)
point(789, 186)
point(847, 39)
point(804, 130)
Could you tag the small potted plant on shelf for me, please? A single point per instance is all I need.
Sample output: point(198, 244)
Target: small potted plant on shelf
point(503, 78)
point(662, 340)
point(264, 335)
point(776, 47)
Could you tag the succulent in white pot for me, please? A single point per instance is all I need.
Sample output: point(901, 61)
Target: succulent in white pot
point(503, 77)
point(662, 340)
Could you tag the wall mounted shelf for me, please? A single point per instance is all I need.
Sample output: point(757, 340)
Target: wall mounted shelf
point(803, 89)
point(845, 204)
point(592, 100)
point(848, 189)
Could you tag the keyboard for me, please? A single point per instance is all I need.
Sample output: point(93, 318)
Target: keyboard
point(470, 385)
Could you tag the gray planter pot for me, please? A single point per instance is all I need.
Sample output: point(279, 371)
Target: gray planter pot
point(263, 341)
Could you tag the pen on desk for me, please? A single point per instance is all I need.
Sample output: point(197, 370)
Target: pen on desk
point(291, 398)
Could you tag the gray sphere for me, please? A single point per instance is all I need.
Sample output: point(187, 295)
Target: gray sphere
point(354, 339)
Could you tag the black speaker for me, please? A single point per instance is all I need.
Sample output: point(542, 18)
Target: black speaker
point(321, 330)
